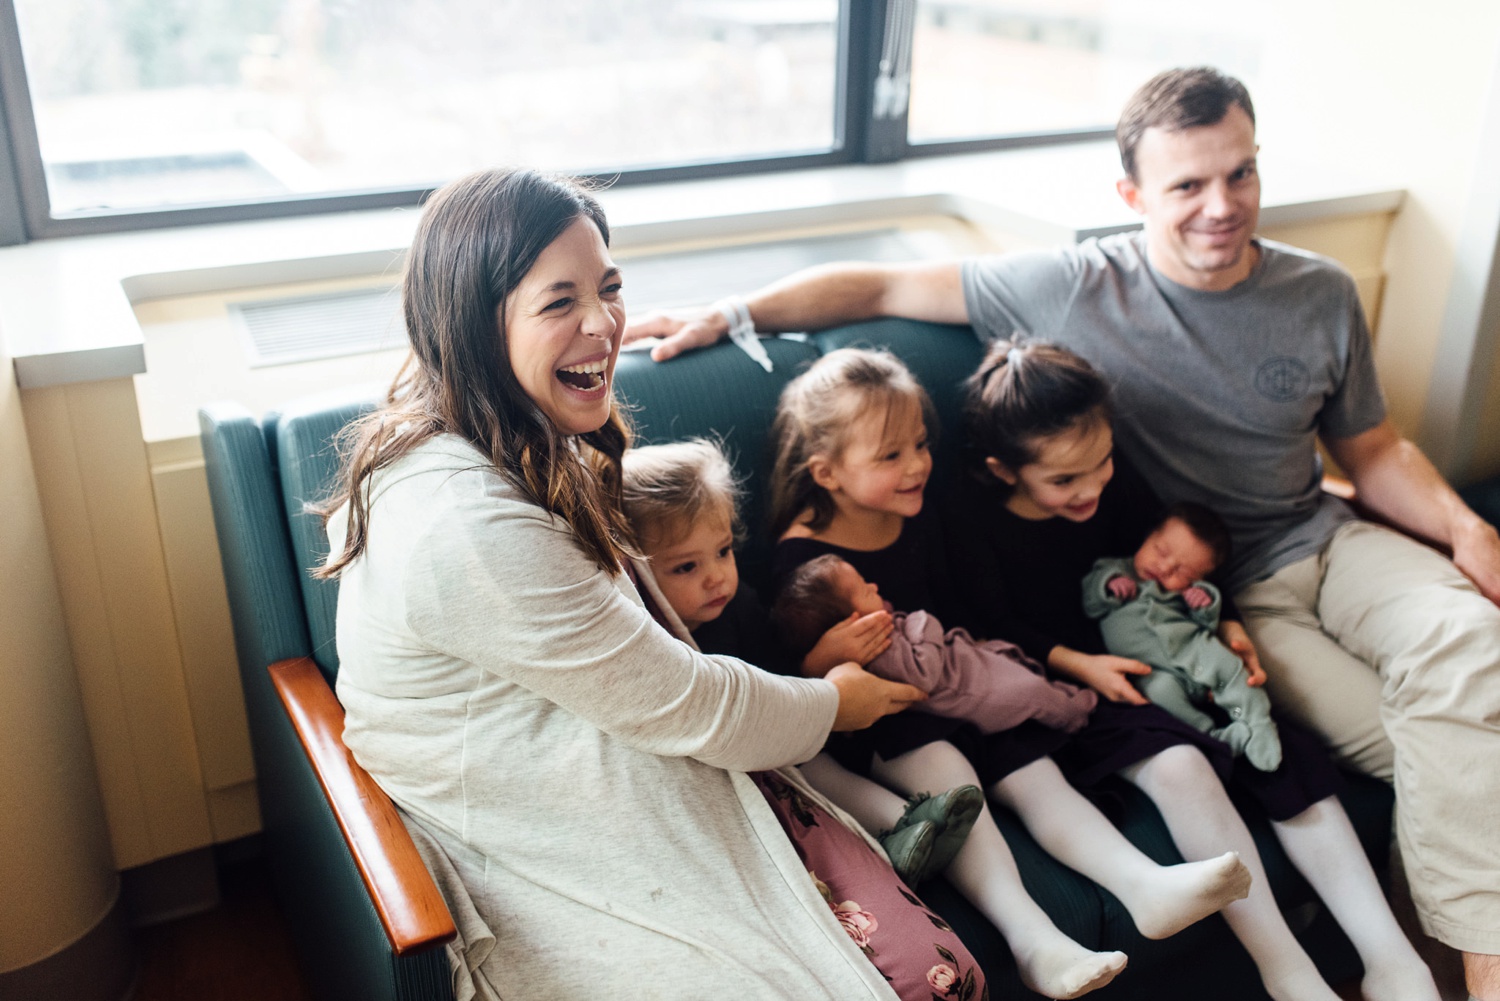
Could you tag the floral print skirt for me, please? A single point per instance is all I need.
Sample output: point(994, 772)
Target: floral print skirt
point(913, 948)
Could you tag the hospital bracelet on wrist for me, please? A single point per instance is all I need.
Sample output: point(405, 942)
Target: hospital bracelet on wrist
point(742, 329)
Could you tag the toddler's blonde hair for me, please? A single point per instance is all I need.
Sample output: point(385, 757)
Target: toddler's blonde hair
point(817, 415)
point(667, 489)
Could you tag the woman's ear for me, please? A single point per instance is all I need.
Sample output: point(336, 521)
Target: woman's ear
point(822, 473)
point(999, 470)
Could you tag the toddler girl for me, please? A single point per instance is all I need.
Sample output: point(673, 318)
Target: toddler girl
point(1048, 498)
point(681, 501)
point(851, 468)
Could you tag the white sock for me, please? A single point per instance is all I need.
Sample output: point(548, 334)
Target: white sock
point(1203, 823)
point(1322, 844)
point(1162, 900)
point(870, 803)
point(1049, 962)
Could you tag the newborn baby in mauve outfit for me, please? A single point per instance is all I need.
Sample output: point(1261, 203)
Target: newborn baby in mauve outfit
point(989, 683)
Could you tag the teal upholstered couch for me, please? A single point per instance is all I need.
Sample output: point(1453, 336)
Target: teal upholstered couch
point(369, 923)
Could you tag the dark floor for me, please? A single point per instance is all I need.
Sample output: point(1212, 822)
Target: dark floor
point(239, 951)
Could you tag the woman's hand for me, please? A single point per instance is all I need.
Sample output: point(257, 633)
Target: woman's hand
point(860, 638)
point(864, 698)
point(1104, 673)
point(1235, 637)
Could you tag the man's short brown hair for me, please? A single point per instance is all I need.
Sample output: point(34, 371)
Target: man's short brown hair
point(1176, 100)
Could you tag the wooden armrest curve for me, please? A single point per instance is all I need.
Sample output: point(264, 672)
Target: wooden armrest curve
point(407, 900)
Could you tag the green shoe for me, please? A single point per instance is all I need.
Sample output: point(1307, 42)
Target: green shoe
point(910, 847)
point(953, 814)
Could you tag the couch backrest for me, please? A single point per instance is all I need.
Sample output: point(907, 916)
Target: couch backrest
point(264, 476)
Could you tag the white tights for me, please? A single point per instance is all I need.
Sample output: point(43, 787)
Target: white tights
point(1162, 900)
point(1323, 846)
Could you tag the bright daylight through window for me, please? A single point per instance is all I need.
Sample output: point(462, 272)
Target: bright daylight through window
point(142, 103)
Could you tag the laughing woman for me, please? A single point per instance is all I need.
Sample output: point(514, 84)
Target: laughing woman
point(581, 771)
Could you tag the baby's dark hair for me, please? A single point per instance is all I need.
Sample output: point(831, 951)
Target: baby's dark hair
point(1203, 523)
point(1023, 393)
point(809, 604)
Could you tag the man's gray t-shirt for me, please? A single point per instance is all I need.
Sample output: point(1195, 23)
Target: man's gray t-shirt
point(1219, 396)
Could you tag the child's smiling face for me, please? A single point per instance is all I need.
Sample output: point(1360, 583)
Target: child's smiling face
point(1069, 473)
point(696, 571)
point(885, 464)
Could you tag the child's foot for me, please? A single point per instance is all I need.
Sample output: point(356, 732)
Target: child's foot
point(1263, 749)
point(1179, 895)
point(909, 848)
point(1061, 968)
point(1236, 735)
point(953, 814)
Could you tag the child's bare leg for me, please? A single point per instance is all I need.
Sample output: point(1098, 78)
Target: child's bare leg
point(1323, 846)
point(1203, 822)
point(1050, 963)
point(1162, 900)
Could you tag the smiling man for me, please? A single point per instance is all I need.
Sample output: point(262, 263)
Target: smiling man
point(1231, 358)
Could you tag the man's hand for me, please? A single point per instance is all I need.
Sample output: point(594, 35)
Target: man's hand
point(1196, 598)
point(864, 698)
point(860, 638)
point(1122, 587)
point(1236, 639)
point(1476, 551)
point(678, 333)
point(1104, 673)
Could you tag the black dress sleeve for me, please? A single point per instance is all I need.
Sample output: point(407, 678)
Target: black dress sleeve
point(743, 630)
point(985, 562)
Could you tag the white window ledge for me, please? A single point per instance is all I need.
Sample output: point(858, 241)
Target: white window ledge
point(66, 305)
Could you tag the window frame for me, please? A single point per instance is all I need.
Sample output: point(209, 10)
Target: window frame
point(859, 137)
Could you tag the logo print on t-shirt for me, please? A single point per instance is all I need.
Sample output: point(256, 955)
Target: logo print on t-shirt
point(1282, 379)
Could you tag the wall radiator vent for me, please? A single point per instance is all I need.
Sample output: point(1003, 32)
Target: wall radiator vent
point(328, 325)
point(304, 328)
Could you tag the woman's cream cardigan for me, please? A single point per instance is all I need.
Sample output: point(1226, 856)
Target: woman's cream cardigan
point(573, 774)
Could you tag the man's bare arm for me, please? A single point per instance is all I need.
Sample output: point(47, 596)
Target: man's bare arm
point(1393, 479)
point(817, 298)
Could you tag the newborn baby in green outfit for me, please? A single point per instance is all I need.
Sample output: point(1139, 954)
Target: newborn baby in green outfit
point(1156, 607)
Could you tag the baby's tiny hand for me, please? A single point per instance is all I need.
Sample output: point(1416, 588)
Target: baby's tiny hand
point(1196, 598)
point(1121, 587)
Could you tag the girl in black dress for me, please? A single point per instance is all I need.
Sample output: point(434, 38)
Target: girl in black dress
point(1048, 496)
point(851, 469)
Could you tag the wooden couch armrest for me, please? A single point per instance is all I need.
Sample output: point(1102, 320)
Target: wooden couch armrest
point(405, 897)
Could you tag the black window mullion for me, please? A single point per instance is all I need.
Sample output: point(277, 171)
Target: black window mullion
point(21, 179)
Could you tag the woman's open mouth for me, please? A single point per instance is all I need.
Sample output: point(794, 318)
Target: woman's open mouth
point(586, 376)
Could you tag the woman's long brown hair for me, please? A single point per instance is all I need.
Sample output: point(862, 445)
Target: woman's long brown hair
point(477, 239)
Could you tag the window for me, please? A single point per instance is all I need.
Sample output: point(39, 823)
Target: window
point(150, 112)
